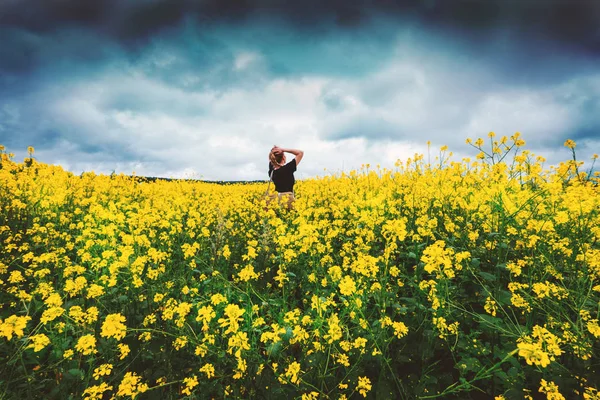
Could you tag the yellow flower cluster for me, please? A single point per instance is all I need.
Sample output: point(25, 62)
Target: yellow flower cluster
point(13, 325)
point(476, 262)
point(540, 348)
point(131, 385)
point(114, 327)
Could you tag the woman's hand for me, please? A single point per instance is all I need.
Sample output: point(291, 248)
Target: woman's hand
point(280, 150)
point(277, 150)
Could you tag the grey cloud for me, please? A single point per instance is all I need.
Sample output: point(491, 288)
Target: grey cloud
point(571, 25)
point(571, 21)
point(588, 132)
point(446, 101)
point(334, 100)
point(368, 127)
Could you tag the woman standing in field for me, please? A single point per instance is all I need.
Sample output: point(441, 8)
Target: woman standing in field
point(282, 174)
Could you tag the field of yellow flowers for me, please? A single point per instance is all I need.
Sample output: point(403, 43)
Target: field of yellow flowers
point(437, 279)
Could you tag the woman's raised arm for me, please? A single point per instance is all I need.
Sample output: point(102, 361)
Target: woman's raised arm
point(298, 153)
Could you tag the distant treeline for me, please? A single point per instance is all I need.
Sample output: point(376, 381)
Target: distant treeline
point(154, 179)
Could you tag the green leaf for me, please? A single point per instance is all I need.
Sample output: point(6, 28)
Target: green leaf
point(288, 334)
point(504, 297)
point(487, 276)
point(513, 372)
point(409, 300)
point(489, 320)
point(76, 373)
point(274, 349)
point(501, 374)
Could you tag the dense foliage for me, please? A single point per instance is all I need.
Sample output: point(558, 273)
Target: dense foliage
point(468, 279)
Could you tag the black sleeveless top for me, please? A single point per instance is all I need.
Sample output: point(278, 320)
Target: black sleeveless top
point(283, 177)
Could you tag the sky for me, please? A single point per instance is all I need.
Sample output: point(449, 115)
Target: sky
point(203, 89)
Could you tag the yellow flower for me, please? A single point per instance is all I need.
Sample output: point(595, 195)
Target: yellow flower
point(247, 273)
point(551, 390)
point(51, 314)
point(518, 301)
point(292, 372)
point(149, 319)
point(114, 326)
point(96, 392)
point(490, 306)
point(347, 286)
point(201, 350)
point(240, 369)
point(226, 252)
point(190, 383)
point(342, 359)
point(335, 331)
point(86, 345)
point(54, 300)
point(103, 370)
point(593, 327)
point(38, 342)
point(540, 348)
point(13, 325)
point(217, 299)
point(591, 393)
point(180, 342)
point(570, 144)
point(234, 315)
point(533, 354)
point(124, 350)
point(209, 370)
point(400, 329)
point(444, 328)
point(364, 385)
point(274, 335)
point(131, 385)
point(238, 342)
point(94, 291)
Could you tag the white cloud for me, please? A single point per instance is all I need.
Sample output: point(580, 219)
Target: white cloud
point(245, 58)
point(535, 113)
point(160, 129)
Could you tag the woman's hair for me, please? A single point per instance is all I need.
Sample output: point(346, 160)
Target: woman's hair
point(276, 158)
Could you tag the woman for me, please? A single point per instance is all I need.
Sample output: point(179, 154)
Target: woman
point(282, 174)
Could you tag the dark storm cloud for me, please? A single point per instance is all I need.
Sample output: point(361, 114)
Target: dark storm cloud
point(572, 22)
point(527, 42)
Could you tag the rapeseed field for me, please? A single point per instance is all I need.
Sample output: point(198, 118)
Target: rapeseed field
point(467, 279)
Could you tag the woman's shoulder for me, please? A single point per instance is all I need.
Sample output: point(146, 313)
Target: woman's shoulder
point(290, 166)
